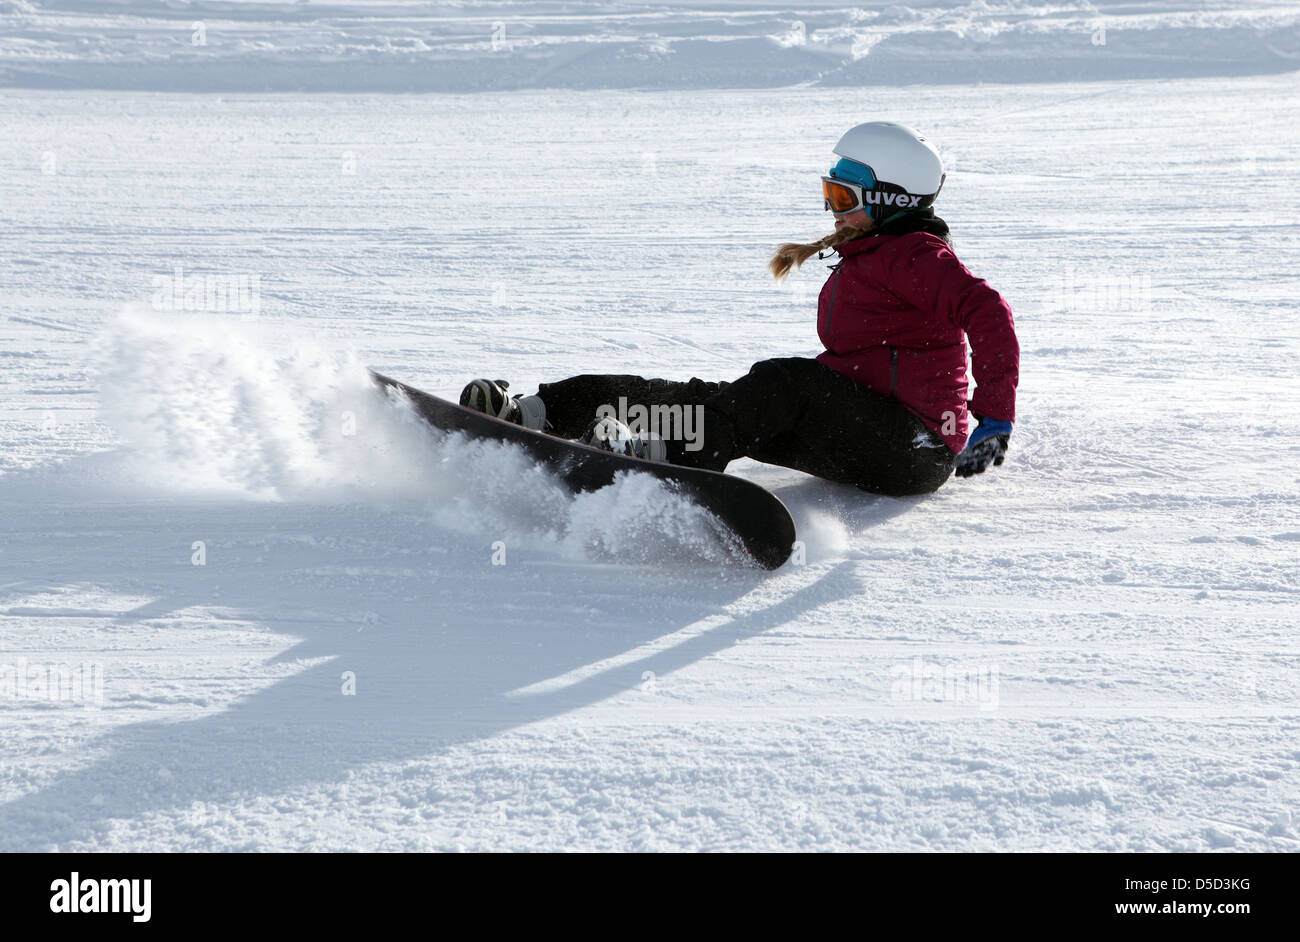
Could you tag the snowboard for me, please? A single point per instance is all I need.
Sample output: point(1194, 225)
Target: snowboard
point(755, 515)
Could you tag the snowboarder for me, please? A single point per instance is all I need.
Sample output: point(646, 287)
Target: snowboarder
point(884, 407)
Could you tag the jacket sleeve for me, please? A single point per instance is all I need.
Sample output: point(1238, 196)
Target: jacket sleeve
point(927, 275)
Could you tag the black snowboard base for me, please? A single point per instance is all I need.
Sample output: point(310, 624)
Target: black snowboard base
point(757, 517)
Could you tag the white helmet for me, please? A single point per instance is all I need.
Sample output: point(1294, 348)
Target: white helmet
point(888, 158)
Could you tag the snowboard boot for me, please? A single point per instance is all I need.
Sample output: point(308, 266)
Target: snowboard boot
point(490, 396)
point(609, 434)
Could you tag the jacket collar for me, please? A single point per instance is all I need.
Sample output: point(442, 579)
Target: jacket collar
point(867, 243)
point(922, 221)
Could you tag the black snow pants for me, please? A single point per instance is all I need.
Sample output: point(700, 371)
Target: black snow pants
point(792, 412)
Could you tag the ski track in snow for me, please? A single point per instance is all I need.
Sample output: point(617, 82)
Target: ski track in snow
point(1090, 648)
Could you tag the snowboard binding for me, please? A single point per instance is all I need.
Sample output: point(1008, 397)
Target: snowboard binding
point(609, 434)
point(489, 396)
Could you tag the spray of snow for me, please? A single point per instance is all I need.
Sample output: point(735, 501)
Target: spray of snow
point(824, 536)
point(204, 406)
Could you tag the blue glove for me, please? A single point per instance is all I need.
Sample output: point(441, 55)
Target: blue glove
point(988, 443)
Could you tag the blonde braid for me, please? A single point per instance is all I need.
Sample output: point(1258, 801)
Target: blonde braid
point(791, 254)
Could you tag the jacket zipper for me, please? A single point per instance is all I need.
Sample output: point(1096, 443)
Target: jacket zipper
point(830, 308)
point(893, 372)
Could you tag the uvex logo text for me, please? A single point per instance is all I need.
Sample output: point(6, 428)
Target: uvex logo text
point(902, 200)
point(76, 895)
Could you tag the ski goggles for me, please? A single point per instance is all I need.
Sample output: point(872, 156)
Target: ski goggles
point(842, 196)
point(845, 196)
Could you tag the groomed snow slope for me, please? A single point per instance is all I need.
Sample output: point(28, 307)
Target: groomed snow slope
point(1093, 647)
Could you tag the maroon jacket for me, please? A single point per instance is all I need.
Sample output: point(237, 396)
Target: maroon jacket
point(894, 315)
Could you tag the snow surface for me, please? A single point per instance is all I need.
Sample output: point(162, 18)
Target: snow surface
point(1090, 648)
point(475, 45)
